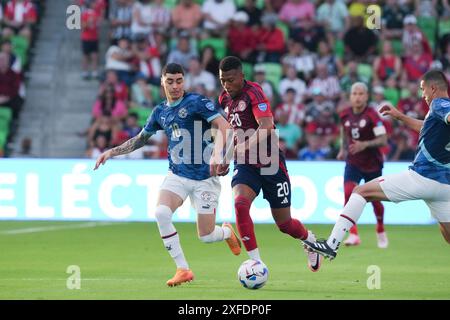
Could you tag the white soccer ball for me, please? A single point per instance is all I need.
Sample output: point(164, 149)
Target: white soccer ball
point(253, 274)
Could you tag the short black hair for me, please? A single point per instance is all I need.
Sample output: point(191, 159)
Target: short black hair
point(230, 63)
point(436, 76)
point(172, 68)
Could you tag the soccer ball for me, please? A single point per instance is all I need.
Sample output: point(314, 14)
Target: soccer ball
point(253, 274)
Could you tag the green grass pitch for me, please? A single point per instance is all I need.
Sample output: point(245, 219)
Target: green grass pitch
point(128, 261)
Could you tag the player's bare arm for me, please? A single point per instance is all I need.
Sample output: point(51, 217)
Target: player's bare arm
point(221, 130)
point(265, 127)
point(126, 147)
point(414, 124)
point(341, 154)
point(358, 146)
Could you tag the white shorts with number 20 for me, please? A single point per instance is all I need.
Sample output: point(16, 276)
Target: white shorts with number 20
point(204, 194)
point(409, 185)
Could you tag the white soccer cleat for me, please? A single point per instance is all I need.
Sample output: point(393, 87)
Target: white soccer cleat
point(314, 259)
point(382, 240)
point(352, 240)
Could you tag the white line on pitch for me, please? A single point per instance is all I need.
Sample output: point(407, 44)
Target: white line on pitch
point(56, 228)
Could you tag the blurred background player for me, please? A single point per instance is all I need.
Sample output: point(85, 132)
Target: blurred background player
point(362, 135)
point(428, 178)
point(248, 110)
point(187, 176)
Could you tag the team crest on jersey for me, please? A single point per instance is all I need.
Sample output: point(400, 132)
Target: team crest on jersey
point(362, 123)
point(210, 106)
point(347, 123)
point(182, 113)
point(241, 106)
point(262, 106)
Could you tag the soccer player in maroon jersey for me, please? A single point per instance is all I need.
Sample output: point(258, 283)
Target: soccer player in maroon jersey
point(362, 134)
point(248, 111)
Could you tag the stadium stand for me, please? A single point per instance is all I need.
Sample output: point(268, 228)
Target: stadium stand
point(317, 37)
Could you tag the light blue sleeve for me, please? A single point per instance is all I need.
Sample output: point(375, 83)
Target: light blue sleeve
point(206, 109)
point(442, 110)
point(152, 124)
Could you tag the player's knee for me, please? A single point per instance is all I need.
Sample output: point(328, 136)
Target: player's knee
point(163, 214)
point(242, 205)
point(362, 191)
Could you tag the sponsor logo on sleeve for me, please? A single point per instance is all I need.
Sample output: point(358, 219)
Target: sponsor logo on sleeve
point(262, 107)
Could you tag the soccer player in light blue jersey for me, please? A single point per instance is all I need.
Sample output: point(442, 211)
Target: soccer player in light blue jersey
point(193, 163)
point(427, 179)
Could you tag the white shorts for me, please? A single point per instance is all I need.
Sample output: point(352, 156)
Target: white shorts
point(204, 194)
point(409, 185)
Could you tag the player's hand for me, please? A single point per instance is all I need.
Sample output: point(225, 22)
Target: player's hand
point(341, 155)
point(357, 146)
point(389, 110)
point(223, 169)
point(102, 159)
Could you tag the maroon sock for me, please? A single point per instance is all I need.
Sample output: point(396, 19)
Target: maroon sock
point(378, 208)
point(244, 222)
point(294, 228)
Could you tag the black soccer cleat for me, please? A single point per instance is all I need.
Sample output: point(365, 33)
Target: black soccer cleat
point(322, 248)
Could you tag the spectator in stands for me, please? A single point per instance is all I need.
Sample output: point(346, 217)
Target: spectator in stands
point(120, 18)
point(241, 38)
point(120, 88)
point(413, 36)
point(141, 24)
point(89, 40)
point(295, 12)
point(386, 65)
point(131, 126)
point(309, 34)
point(314, 151)
point(333, 15)
point(25, 149)
point(184, 52)
point(326, 56)
point(292, 81)
point(445, 60)
point(20, 17)
point(198, 76)
point(260, 78)
point(416, 63)
point(217, 15)
point(301, 59)
point(254, 13)
point(209, 61)
point(187, 16)
point(324, 126)
point(360, 42)
point(108, 105)
point(314, 108)
point(100, 145)
point(9, 86)
point(295, 111)
point(102, 126)
point(148, 60)
point(351, 76)
point(392, 19)
point(141, 94)
point(160, 16)
point(99, 6)
point(270, 40)
point(328, 84)
point(291, 133)
point(426, 8)
point(15, 62)
point(119, 58)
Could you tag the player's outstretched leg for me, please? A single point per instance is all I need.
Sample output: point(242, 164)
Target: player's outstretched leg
point(382, 239)
point(353, 238)
point(297, 230)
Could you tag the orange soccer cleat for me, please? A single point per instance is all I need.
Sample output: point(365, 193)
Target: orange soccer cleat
point(182, 275)
point(233, 241)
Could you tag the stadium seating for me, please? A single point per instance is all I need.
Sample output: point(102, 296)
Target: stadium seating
point(142, 113)
point(247, 68)
point(219, 45)
point(20, 48)
point(392, 95)
point(365, 71)
point(274, 73)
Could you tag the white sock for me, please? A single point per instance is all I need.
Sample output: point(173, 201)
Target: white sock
point(254, 254)
point(173, 246)
point(218, 234)
point(352, 211)
point(170, 236)
point(311, 237)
